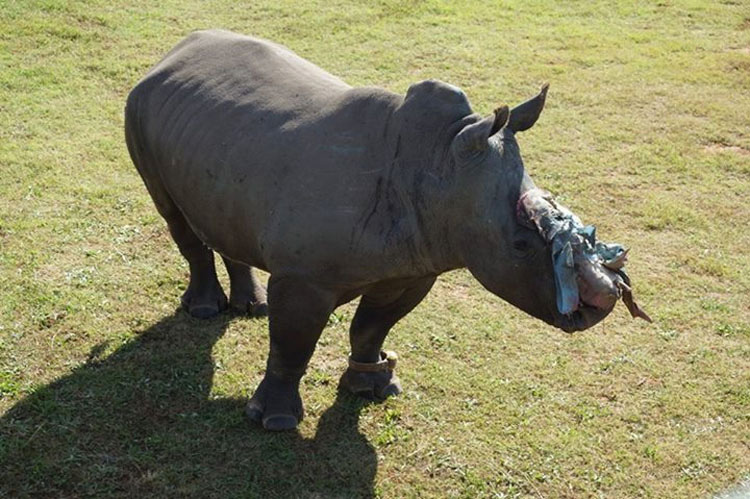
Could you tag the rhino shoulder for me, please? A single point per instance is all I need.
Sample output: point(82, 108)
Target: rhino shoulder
point(431, 105)
point(439, 97)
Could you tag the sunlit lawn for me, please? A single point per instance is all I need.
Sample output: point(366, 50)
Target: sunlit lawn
point(107, 389)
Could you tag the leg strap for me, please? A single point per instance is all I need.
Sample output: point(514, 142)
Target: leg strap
point(387, 362)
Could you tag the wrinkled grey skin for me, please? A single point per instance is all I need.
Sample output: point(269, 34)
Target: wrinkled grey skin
point(338, 192)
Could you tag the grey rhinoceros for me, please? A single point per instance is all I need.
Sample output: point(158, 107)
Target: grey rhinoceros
point(339, 192)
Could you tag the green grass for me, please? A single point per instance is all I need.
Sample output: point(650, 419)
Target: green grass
point(106, 390)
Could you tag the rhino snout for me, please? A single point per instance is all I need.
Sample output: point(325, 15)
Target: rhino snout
point(597, 286)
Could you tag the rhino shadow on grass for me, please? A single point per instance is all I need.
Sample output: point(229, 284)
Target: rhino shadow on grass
point(140, 423)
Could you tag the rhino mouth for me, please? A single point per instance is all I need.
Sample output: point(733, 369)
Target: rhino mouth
point(589, 275)
point(584, 317)
point(587, 315)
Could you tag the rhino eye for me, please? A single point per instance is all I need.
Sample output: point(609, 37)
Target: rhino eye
point(521, 245)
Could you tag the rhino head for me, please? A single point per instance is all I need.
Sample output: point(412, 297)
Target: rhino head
point(519, 242)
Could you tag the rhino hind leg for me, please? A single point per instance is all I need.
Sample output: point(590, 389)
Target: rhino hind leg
point(247, 294)
point(370, 373)
point(204, 296)
point(297, 311)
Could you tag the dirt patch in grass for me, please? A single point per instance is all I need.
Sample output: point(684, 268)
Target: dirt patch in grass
point(718, 147)
point(741, 65)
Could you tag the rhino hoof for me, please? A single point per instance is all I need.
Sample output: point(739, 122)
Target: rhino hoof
point(254, 308)
point(275, 405)
point(204, 308)
point(371, 386)
point(273, 422)
point(391, 389)
point(259, 309)
point(279, 422)
point(203, 311)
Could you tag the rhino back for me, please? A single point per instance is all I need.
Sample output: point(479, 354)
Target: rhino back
point(272, 160)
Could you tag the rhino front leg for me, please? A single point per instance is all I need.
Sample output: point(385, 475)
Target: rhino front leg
point(298, 312)
point(370, 373)
point(247, 294)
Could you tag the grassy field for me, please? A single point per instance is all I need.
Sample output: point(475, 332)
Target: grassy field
point(106, 389)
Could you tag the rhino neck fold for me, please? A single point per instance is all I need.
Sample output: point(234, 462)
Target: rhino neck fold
point(433, 208)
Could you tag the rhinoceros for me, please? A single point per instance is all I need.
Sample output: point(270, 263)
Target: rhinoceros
point(252, 152)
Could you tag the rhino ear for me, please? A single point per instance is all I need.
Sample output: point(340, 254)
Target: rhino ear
point(523, 116)
point(502, 114)
point(472, 139)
